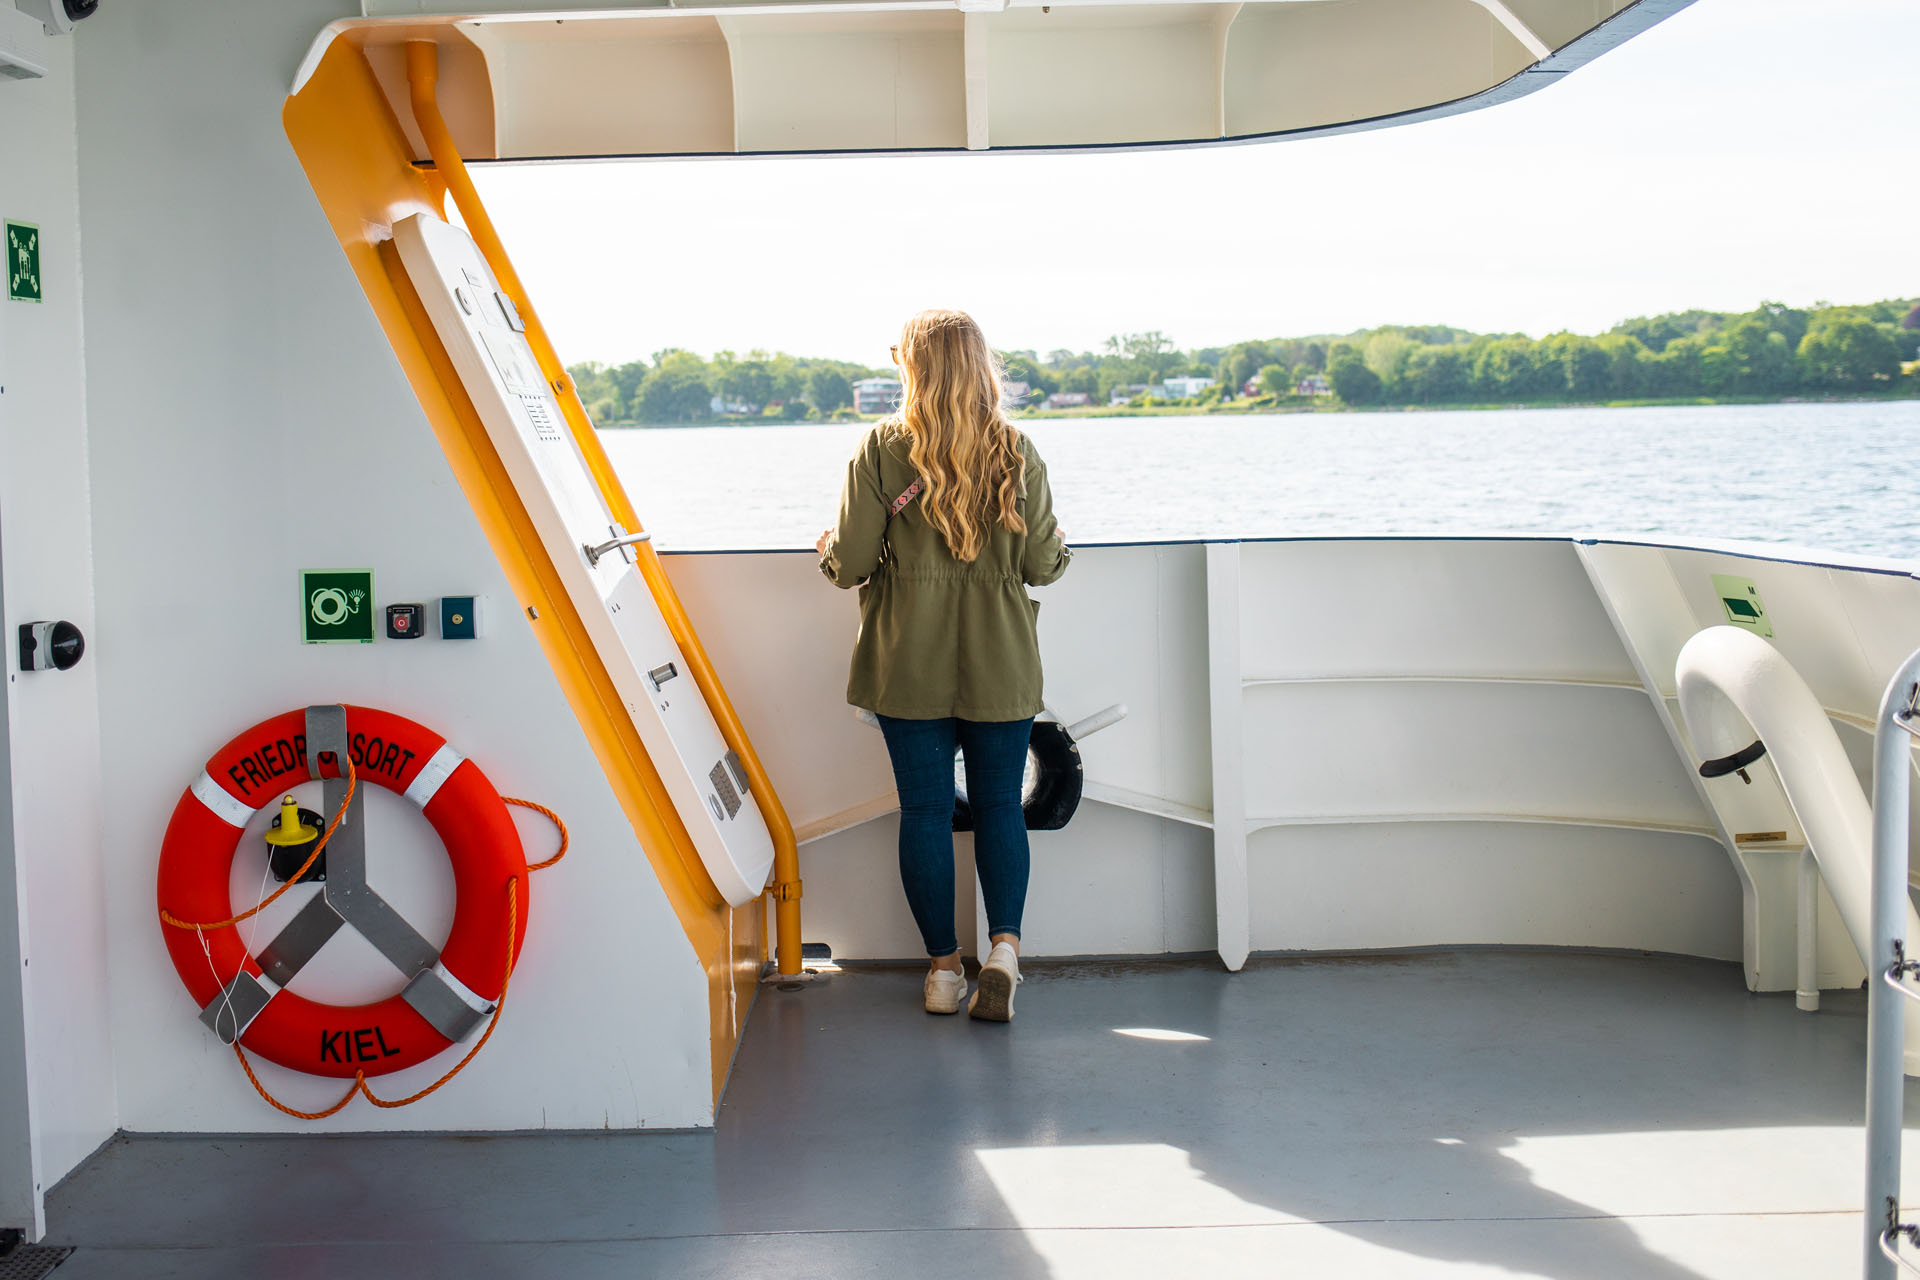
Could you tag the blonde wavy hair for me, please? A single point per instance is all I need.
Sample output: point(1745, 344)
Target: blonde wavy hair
point(967, 453)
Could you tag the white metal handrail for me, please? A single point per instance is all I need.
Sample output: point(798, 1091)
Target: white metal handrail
point(1899, 717)
point(1891, 1251)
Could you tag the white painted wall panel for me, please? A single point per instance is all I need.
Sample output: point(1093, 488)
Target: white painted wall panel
point(1129, 623)
point(1120, 74)
point(21, 1205)
point(1423, 607)
point(1653, 615)
point(1143, 610)
point(780, 636)
point(1558, 21)
point(1810, 625)
point(854, 902)
point(865, 80)
point(1115, 882)
point(607, 88)
point(1883, 612)
point(1844, 626)
point(1372, 749)
point(53, 718)
point(1294, 65)
point(232, 356)
point(1359, 887)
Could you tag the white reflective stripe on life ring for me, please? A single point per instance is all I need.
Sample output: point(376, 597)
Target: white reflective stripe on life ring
point(234, 813)
point(436, 771)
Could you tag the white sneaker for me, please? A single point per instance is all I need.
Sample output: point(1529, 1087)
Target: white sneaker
point(993, 998)
point(945, 990)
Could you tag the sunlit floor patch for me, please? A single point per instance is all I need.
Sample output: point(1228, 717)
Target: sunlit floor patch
point(1160, 1033)
point(1737, 1247)
point(1124, 1185)
point(1145, 1209)
point(1799, 1169)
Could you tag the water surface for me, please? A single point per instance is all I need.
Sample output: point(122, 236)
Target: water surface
point(1833, 477)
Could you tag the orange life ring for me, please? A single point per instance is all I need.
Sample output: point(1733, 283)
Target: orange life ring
point(450, 992)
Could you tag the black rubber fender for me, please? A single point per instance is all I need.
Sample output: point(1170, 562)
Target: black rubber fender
point(1059, 779)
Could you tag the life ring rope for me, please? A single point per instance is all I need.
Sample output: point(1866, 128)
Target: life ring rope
point(550, 816)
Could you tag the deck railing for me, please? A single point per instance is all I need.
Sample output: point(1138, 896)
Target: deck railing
point(1896, 726)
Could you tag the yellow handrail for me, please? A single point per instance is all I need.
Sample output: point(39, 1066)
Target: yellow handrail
point(423, 76)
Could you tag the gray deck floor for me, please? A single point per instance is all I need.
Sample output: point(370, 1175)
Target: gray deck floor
point(1472, 1114)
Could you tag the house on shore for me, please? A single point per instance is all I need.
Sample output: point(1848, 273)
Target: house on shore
point(876, 395)
point(1186, 388)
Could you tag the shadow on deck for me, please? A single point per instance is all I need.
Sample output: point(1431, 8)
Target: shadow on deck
point(1551, 1114)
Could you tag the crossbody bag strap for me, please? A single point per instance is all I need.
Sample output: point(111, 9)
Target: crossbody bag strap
point(907, 495)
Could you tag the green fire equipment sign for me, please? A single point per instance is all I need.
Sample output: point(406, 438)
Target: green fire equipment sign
point(336, 606)
point(23, 261)
point(1741, 600)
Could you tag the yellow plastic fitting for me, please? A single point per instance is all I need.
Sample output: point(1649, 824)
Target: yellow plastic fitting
point(291, 830)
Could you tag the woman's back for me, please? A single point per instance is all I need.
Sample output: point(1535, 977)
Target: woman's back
point(938, 636)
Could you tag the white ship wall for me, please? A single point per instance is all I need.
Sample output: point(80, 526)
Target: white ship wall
point(1344, 744)
point(249, 420)
point(56, 1084)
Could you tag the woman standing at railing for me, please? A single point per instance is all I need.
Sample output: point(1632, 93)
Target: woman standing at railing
point(945, 519)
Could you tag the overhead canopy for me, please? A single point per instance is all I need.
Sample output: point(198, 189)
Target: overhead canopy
point(530, 80)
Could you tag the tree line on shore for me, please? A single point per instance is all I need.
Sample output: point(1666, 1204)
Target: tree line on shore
point(1772, 351)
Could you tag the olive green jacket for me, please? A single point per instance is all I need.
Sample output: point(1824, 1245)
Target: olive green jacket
point(939, 638)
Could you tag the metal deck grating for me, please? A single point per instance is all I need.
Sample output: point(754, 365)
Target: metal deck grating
point(31, 1262)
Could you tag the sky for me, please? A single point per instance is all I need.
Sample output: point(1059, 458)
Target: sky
point(1741, 150)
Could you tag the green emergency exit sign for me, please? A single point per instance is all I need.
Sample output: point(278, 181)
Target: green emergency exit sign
point(23, 261)
point(336, 606)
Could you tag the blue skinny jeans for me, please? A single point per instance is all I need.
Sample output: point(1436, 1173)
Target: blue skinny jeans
point(996, 756)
